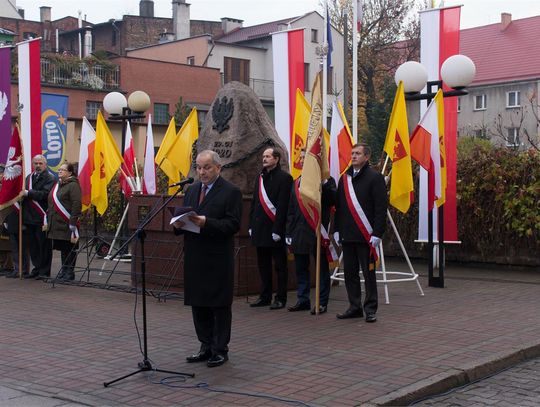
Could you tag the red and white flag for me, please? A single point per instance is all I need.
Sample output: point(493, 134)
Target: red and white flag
point(30, 99)
point(149, 179)
point(288, 63)
point(13, 180)
point(439, 39)
point(341, 142)
point(127, 177)
point(86, 162)
point(425, 147)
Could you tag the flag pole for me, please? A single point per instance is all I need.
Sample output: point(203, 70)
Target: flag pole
point(355, 71)
point(318, 269)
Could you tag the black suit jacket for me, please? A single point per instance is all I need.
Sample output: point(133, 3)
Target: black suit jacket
point(277, 184)
point(39, 193)
point(370, 189)
point(209, 255)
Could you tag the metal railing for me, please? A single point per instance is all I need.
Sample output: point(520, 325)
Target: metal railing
point(97, 77)
point(263, 88)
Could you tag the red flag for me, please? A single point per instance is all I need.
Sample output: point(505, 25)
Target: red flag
point(127, 184)
point(86, 162)
point(12, 184)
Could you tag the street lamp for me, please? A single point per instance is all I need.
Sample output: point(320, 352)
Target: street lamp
point(457, 72)
point(126, 110)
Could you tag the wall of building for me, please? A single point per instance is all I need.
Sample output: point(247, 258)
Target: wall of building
point(497, 117)
point(176, 51)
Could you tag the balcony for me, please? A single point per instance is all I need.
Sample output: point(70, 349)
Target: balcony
point(80, 74)
point(263, 88)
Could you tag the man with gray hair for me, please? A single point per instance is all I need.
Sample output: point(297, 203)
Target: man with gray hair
point(209, 258)
point(34, 206)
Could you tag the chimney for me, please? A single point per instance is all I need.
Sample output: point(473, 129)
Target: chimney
point(506, 19)
point(146, 8)
point(45, 14)
point(229, 24)
point(181, 23)
point(21, 12)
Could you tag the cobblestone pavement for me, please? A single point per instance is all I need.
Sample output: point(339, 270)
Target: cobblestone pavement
point(515, 386)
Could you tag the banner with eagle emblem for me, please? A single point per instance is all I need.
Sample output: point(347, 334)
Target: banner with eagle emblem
point(13, 180)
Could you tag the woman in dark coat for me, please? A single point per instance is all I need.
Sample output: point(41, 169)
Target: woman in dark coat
point(63, 219)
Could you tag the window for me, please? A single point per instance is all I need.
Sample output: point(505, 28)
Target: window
point(161, 113)
point(236, 69)
point(314, 35)
point(480, 102)
point(191, 60)
point(512, 99)
point(201, 117)
point(307, 85)
point(92, 109)
point(513, 137)
point(27, 35)
point(113, 38)
point(481, 133)
point(458, 104)
point(330, 84)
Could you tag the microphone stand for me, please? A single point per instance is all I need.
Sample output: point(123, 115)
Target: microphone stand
point(140, 233)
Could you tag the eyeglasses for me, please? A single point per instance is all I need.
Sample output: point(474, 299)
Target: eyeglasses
point(62, 169)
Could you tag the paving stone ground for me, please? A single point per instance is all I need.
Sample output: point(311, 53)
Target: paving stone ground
point(59, 344)
point(516, 386)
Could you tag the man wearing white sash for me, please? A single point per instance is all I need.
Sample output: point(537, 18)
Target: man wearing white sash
point(267, 220)
point(34, 206)
point(360, 221)
point(63, 218)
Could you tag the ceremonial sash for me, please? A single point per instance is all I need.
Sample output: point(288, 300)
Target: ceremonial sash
point(37, 206)
point(358, 214)
point(63, 212)
point(331, 254)
point(267, 205)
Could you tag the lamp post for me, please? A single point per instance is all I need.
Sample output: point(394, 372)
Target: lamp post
point(457, 72)
point(126, 110)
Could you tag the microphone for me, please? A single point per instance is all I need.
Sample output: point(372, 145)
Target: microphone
point(183, 182)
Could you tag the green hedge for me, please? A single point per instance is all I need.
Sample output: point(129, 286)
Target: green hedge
point(498, 195)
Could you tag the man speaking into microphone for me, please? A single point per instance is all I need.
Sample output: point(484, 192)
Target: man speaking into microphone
point(209, 257)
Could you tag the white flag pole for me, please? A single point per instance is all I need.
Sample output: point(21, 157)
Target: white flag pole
point(355, 72)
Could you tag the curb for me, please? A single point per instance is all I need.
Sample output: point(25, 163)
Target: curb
point(452, 378)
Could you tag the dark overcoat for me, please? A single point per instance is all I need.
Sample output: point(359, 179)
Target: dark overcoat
point(209, 255)
point(370, 189)
point(69, 194)
point(41, 186)
point(302, 235)
point(277, 184)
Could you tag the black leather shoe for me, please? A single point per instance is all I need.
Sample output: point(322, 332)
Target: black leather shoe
point(217, 360)
point(371, 318)
point(299, 306)
point(30, 275)
point(199, 357)
point(277, 305)
point(322, 310)
point(260, 303)
point(350, 313)
point(13, 274)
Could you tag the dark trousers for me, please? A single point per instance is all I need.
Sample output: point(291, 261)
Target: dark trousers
point(40, 249)
point(68, 255)
point(14, 245)
point(264, 261)
point(213, 328)
point(301, 262)
point(356, 255)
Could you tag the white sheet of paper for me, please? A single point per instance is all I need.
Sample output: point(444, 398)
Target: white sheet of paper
point(188, 225)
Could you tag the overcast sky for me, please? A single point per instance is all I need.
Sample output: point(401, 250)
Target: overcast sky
point(474, 12)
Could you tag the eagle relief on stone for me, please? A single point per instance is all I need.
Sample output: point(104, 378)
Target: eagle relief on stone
point(222, 111)
point(13, 168)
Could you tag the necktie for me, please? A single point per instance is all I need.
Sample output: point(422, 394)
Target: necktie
point(204, 188)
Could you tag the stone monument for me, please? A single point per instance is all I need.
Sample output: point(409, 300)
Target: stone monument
point(238, 128)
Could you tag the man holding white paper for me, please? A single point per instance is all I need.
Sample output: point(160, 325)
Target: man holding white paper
point(209, 257)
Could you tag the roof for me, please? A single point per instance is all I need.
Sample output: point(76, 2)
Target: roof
point(504, 56)
point(6, 32)
point(254, 32)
